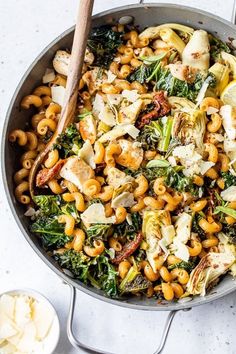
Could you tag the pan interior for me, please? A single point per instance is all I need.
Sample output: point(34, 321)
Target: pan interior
point(143, 15)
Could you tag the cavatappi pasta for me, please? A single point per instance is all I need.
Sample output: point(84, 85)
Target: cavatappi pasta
point(138, 196)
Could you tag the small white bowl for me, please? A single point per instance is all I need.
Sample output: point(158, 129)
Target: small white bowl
point(52, 339)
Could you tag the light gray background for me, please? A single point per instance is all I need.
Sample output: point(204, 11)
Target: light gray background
point(26, 27)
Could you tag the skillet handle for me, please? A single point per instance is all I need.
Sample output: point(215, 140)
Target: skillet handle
point(77, 344)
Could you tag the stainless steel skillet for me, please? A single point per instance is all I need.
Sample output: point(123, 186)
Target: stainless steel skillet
point(143, 15)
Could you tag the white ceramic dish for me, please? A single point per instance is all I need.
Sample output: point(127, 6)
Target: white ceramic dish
point(52, 338)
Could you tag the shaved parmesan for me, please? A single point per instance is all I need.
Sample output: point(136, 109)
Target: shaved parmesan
point(229, 194)
point(95, 214)
point(98, 104)
point(117, 178)
point(181, 251)
point(183, 227)
point(125, 199)
point(7, 305)
point(22, 311)
point(205, 166)
point(202, 92)
point(131, 95)
point(48, 76)
point(86, 153)
point(43, 319)
point(114, 99)
point(107, 116)
point(110, 77)
point(130, 113)
point(227, 113)
point(129, 219)
point(211, 110)
point(183, 231)
point(118, 131)
point(131, 130)
point(58, 94)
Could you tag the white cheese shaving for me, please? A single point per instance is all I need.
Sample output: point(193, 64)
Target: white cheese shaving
point(130, 95)
point(172, 161)
point(211, 110)
point(228, 117)
point(107, 116)
point(98, 104)
point(129, 219)
point(201, 93)
point(110, 77)
point(125, 199)
point(86, 153)
point(95, 214)
point(181, 251)
point(131, 130)
point(205, 166)
point(118, 131)
point(58, 94)
point(229, 194)
point(183, 232)
point(114, 99)
point(117, 178)
point(48, 76)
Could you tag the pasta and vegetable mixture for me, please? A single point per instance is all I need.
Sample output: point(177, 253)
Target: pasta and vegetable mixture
point(138, 195)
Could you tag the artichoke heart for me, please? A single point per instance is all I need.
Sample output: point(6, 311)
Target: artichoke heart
point(197, 52)
point(210, 268)
point(152, 223)
point(190, 128)
point(123, 196)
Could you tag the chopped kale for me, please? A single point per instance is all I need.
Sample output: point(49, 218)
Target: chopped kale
point(68, 141)
point(51, 232)
point(103, 43)
point(189, 266)
point(48, 204)
point(98, 231)
point(98, 271)
point(216, 47)
point(229, 179)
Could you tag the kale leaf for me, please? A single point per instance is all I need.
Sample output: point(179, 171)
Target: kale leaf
point(51, 232)
point(67, 141)
point(76, 262)
point(164, 80)
point(216, 47)
point(129, 231)
point(98, 231)
point(174, 178)
point(70, 209)
point(98, 271)
point(182, 183)
point(229, 179)
point(230, 232)
point(103, 43)
point(48, 204)
point(189, 266)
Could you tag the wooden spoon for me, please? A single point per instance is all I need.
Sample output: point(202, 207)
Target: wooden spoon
point(82, 27)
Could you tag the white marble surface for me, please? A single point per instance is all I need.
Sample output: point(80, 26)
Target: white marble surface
point(26, 27)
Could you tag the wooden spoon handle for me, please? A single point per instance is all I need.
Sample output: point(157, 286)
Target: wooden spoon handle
point(83, 23)
point(82, 28)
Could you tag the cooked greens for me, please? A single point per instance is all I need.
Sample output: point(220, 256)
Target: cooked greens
point(103, 42)
point(67, 141)
point(50, 231)
point(98, 271)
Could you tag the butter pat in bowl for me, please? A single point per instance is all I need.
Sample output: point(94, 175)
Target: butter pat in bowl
point(28, 323)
